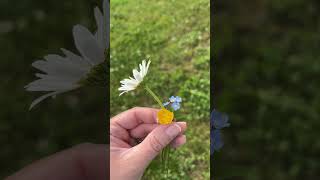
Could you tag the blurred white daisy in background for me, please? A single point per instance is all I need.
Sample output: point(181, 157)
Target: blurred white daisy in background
point(132, 83)
point(65, 73)
point(103, 20)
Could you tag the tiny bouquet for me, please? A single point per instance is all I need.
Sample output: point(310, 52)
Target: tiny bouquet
point(165, 114)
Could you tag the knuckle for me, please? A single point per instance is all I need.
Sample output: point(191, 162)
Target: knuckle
point(114, 129)
point(134, 109)
point(155, 144)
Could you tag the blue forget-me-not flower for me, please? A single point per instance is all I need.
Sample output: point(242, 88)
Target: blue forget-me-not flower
point(174, 101)
point(217, 122)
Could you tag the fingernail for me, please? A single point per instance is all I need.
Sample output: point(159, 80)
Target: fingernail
point(173, 130)
point(182, 124)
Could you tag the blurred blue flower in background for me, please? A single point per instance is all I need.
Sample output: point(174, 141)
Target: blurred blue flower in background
point(216, 142)
point(174, 101)
point(217, 122)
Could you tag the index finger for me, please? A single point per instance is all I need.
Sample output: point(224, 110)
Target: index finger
point(133, 117)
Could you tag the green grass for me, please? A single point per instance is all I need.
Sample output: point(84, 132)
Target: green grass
point(267, 61)
point(176, 36)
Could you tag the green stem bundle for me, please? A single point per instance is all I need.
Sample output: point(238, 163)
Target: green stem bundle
point(166, 151)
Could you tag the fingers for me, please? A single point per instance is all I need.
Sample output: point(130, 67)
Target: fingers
point(156, 140)
point(116, 142)
point(118, 132)
point(130, 119)
point(183, 126)
point(82, 162)
point(93, 158)
point(143, 130)
point(179, 141)
point(135, 116)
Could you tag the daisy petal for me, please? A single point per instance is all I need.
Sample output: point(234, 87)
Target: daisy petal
point(106, 29)
point(41, 98)
point(87, 45)
point(100, 31)
point(136, 75)
point(147, 67)
point(76, 60)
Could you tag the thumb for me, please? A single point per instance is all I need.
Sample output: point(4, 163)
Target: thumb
point(158, 139)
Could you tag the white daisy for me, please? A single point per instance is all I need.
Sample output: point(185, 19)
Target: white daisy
point(64, 73)
point(132, 83)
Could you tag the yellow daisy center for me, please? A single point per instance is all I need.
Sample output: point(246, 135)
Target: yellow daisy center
point(165, 116)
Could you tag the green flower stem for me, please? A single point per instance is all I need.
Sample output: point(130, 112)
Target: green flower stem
point(155, 97)
point(165, 160)
point(166, 151)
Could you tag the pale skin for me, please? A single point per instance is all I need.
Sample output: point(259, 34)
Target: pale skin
point(129, 159)
point(82, 162)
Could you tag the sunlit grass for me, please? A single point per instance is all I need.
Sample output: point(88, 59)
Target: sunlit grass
point(175, 35)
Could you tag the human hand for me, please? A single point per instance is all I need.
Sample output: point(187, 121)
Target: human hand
point(82, 162)
point(128, 160)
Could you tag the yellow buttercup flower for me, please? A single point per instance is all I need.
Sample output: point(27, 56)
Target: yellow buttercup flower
point(165, 116)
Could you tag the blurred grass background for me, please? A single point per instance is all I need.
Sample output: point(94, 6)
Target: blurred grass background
point(176, 36)
point(28, 31)
point(267, 68)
